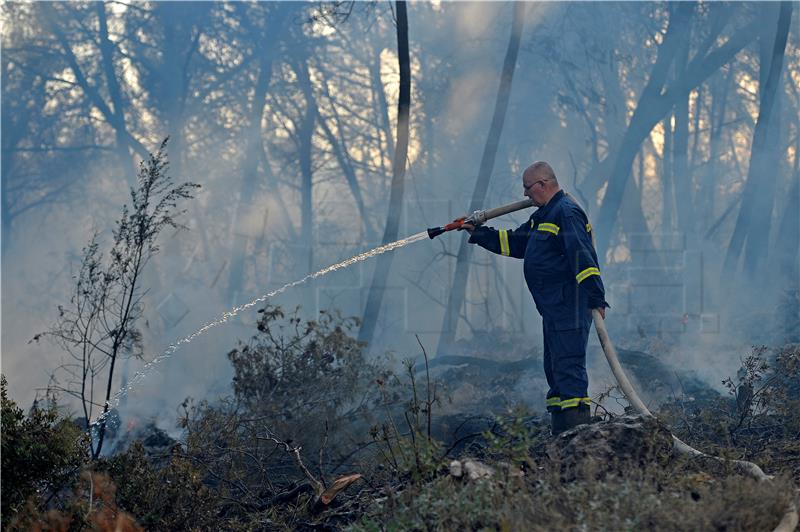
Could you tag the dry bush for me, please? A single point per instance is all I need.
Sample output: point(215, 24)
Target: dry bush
point(760, 418)
point(297, 375)
point(93, 506)
point(171, 497)
point(652, 498)
point(406, 447)
point(299, 414)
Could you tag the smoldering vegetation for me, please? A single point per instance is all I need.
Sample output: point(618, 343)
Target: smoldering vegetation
point(314, 436)
point(404, 392)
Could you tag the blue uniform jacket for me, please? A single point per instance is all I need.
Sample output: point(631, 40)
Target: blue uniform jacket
point(561, 267)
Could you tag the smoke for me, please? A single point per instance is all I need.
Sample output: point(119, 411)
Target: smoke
point(570, 99)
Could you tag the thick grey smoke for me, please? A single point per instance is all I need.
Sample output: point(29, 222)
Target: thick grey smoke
point(194, 72)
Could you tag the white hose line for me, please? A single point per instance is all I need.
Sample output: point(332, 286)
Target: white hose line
point(790, 518)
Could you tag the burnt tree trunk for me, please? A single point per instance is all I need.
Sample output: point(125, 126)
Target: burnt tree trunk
point(759, 156)
point(384, 264)
point(115, 93)
point(305, 140)
point(757, 245)
point(458, 290)
point(681, 180)
point(719, 99)
point(667, 188)
point(253, 150)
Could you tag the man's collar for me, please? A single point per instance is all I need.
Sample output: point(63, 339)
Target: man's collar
point(544, 209)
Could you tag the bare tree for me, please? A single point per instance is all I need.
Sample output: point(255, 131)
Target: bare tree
point(684, 191)
point(459, 287)
point(655, 101)
point(99, 326)
point(759, 157)
point(113, 109)
point(719, 94)
point(305, 139)
point(253, 139)
point(339, 146)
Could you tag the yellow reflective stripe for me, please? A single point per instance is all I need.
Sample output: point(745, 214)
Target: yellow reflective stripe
point(550, 228)
point(588, 228)
point(553, 401)
point(570, 403)
point(504, 249)
point(575, 401)
point(588, 272)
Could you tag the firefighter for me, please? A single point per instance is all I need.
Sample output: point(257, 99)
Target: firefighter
point(562, 274)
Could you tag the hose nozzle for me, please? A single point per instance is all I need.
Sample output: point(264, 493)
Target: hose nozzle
point(479, 217)
point(433, 232)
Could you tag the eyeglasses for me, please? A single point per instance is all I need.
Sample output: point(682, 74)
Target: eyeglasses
point(540, 182)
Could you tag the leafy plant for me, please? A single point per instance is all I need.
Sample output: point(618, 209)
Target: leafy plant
point(41, 454)
point(514, 436)
point(759, 419)
point(171, 497)
point(295, 368)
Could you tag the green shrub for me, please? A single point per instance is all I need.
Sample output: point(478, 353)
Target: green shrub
point(171, 497)
point(41, 455)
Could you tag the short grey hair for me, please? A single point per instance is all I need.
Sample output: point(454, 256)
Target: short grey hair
point(541, 168)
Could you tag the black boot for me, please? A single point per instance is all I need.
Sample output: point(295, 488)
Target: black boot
point(571, 417)
point(556, 422)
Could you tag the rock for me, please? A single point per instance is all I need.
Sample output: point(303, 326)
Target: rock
point(476, 470)
point(596, 450)
point(470, 469)
point(455, 469)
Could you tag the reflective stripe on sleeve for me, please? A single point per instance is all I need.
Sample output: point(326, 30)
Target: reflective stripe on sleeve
point(504, 249)
point(588, 272)
point(588, 228)
point(550, 228)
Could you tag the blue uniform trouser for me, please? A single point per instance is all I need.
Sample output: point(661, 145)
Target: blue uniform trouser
point(565, 365)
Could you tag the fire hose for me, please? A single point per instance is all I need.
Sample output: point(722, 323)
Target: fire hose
point(790, 519)
point(480, 217)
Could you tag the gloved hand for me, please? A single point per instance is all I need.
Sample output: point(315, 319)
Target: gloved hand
point(476, 233)
point(469, 228)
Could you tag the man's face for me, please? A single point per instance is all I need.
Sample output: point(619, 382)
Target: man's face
point(534, 186)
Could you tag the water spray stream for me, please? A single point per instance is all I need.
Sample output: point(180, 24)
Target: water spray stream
point(145, 371)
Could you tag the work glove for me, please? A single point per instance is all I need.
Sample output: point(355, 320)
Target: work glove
point(478, 234)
